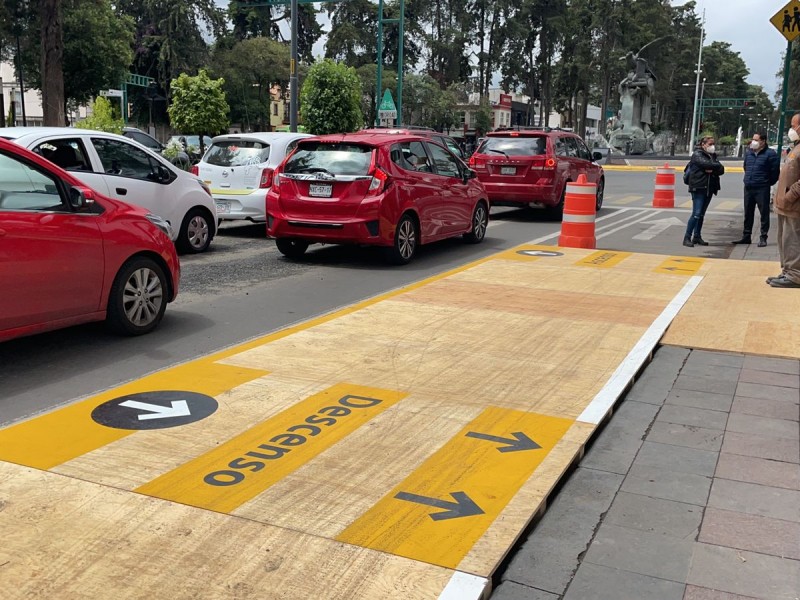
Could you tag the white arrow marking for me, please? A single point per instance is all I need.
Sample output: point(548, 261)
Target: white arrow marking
point(656, 227)
point(179, 408)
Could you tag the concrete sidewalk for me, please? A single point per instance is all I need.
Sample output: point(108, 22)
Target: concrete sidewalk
point(691, 491)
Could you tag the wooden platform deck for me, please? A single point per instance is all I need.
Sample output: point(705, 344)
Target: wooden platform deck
point(396, 448)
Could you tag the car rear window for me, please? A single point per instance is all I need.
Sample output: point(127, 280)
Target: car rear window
point(336, 158)
point(237, 153)
point(514, 146)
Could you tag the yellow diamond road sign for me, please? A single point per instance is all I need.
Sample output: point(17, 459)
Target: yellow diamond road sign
point(787, 20)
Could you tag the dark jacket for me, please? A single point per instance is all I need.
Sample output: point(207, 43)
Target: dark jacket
point(705, 170)
point(761, 169)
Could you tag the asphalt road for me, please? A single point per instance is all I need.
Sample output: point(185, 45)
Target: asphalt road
point(243, 288)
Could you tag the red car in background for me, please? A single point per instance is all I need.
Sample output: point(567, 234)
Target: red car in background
point(531, 167)
point(69, 255)
point(394, 190)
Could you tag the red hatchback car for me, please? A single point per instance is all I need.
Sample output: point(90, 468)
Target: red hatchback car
point(381, 189)
point(531, 167)
point(69, 255)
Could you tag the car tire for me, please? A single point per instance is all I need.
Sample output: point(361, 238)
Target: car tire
point(196, 232)
point(138, 297)
point(406, 241)
point(480, 221)
point(601, 186)
point(291, 248)
point(556, 212)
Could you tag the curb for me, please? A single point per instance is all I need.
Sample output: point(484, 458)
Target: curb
point(653, 168)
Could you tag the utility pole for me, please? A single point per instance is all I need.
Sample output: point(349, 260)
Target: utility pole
point(697, 84)
point(21, 84)
point(293, 71)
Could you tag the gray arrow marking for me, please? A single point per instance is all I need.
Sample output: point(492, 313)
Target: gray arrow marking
point(462, 507)
point(677, 269)
point(520, 441)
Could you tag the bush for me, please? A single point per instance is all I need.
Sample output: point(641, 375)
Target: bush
point(331, 99)
point(102, 118)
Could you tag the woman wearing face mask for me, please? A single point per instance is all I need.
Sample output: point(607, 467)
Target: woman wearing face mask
point(704, 173)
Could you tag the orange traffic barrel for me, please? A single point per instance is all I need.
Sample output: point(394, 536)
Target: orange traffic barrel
point(580, 210)
point(664, 193)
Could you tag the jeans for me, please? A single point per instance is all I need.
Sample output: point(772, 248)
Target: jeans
point(700, 202)
point(756, 196)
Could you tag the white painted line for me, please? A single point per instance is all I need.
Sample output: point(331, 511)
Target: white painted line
point(628, 224)
point(626, 371)
point(617, 212)
point(463, 586)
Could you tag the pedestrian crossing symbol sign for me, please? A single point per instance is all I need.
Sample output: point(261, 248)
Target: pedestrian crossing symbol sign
point(787, 20)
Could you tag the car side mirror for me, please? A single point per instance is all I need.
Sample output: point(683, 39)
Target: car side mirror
point(469, 174)
point(597, 156)
point(161, 174)
point(80, 198)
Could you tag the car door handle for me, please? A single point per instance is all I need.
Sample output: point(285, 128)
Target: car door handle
point(122, 191)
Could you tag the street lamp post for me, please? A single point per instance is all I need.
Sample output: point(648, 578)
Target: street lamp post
point(697, 83)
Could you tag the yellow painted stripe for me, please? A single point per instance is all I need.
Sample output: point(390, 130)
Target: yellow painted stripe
point(471, 466)
point(687, 204)
point(57, 437)
point(603, 259)
point(225, 192)
point(248, 464)
point(729, 205)
point(626, 199)
point(680, 265)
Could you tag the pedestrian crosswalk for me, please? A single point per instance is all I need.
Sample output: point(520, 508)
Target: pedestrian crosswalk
point(638, 200)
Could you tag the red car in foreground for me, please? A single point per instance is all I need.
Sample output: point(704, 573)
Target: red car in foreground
point(381, 189)
point(69, 255)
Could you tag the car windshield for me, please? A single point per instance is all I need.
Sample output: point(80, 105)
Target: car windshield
point(514, 146)
point(335, 158)
point(237, 153)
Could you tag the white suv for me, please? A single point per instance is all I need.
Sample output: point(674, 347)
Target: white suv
point(125, 170)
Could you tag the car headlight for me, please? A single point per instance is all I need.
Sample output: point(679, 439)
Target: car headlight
point(161, 223)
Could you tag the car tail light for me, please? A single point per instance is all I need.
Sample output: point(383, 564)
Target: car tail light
point(266, 178)
point(477, 163)
point(195, 170)
point(379, 182)
point(550, 163)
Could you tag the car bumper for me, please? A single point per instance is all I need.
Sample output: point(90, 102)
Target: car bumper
point(239, 207)
point(373, 232)
point(512, 194)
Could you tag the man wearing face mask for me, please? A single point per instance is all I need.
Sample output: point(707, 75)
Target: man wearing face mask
point(787, 206)
point(704, 173)
point(761, 170)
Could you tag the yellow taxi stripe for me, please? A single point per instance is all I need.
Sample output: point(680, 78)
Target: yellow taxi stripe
point(227, 192)
point(246, 465)
point(441, 509)
point(680, 265)
point(57, 437)
point(603, 259)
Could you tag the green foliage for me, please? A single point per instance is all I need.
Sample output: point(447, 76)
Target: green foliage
point(483, 118)
point(98, 48)
point(250, 68)
point(726, 140)
point(330, 99)
point(102, 118)
point(198, 105)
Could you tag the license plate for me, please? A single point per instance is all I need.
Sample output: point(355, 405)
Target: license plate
point(320, 191)
point(223, 207)
point(508, 170)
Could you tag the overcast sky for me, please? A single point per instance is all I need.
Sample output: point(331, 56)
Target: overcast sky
point(743, 23)
point(746, 25)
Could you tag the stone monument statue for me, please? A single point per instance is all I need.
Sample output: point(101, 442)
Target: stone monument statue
point(630, 130)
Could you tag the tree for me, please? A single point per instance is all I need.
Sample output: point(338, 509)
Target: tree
point(53, 100)
point(368, 74)
point(198, 106)
point(98, 48)
point(330, 99)
point(250, 69)
point(102, 118)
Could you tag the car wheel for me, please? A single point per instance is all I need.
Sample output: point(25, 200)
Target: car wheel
point(406, 240)
point(480, 221)
point(601, 185)
point(195, 235)
point(557, 212)
point(291, 248)
point(138, 297)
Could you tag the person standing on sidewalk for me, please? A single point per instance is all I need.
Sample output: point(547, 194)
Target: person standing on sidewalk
point(761, 170)
point(787, 206)
point(704, 174)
